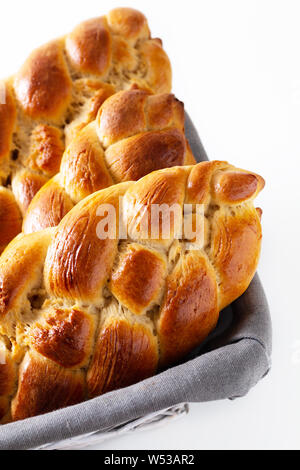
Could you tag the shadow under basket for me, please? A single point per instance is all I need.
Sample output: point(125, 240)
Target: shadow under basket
point(232, 360)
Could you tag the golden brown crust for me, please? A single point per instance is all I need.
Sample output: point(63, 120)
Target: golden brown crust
point(20, 271)
point(10, 217)
point(65, 337)
point(83, 167)
point(7, 121)
point(129, 23)
point(43, 85)
point(233, 187)
point(89, 46)
point(235, 249)
point(198, 186)
point(121, 116)
point(100, 96)
point(165, 188)
point(190, 309)
point(189, 156)
point(145, 153)
point(259, 212)
point(4, 408)
point(124, 55)
point(134, 111)
point(46, 149)
point(164, 110)
point(77, 269)
point(7, 374)
point(25, 185)
point(124, 354)
point(138, 279)
point(78, 262)
point(44, 386)
point(95, 92)
point(157, 64)
point(52, 205)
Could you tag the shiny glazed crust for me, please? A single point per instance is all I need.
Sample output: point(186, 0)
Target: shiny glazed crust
point(82, 315)
point(60, 89)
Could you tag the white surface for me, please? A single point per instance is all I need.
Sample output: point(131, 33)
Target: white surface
point(237, 68)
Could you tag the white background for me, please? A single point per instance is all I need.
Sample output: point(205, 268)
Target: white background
point(236, 66)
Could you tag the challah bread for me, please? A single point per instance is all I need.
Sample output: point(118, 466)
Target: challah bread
point(59, 90)
point(134, 134)
point(83, 314)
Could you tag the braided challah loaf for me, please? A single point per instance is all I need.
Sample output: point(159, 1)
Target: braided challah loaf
point(134, 134)
point(82, 314)
point(58, 91)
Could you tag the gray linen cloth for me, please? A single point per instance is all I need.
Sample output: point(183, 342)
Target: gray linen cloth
point(232, 361)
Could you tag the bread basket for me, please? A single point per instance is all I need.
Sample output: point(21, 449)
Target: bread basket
point(230, 362)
